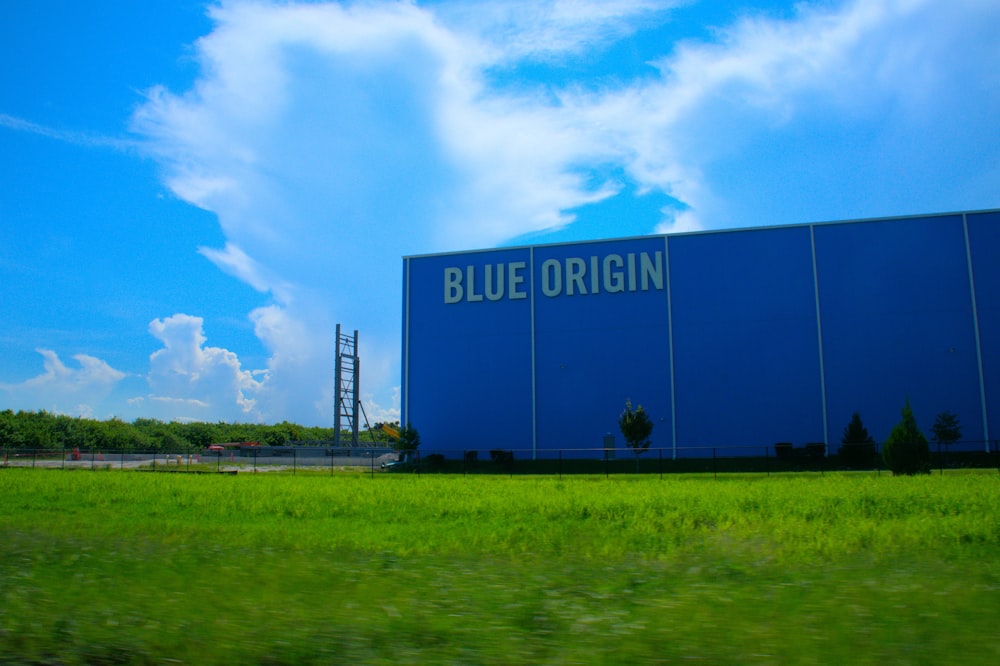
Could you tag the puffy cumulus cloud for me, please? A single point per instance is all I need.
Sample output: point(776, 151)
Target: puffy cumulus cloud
point(93, 372)
point(339, 123)
point(378, 412)
point(190, 381)
point(62, 389)
point(299, 380)
point(881, 75)
point(331, 139)
point(301, 364)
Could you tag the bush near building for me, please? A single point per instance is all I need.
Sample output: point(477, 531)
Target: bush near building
point(906, 451)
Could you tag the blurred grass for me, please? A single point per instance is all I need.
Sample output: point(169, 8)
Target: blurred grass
point(125, 567)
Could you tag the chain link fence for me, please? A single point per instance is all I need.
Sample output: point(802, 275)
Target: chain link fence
point(216, 459)
point(778, 458)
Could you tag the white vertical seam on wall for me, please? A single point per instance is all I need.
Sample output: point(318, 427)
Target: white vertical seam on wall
point(406, 350)
point(534, 393)
point(975, 330)
point(670, 341)
point(819, 338)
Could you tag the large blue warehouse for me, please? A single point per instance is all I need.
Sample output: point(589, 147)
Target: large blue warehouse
point(738, 338)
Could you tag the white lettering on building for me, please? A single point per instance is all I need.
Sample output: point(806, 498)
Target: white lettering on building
point(572, 276)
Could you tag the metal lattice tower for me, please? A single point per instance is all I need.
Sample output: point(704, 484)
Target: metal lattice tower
point(346, 382)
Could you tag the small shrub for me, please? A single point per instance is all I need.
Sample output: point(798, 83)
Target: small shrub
point(636, 427)
point(946, 429)
point(857, 449)
point(501, 456)
point(434, 459)
point(815, 450)
point(906, 451)
point(409, 439)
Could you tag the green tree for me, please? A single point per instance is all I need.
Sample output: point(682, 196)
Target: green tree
point(10, 436)
point(294, 431)
point(116, 435)
point(201, 435)
point(906, 451)
point(636, 428)
point(857, 449)
point(274, 436)
point(946, 430)
point(35, 428)
point(409, 440)
point(83, 435)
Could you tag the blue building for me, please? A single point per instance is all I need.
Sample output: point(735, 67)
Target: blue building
point(737, 338)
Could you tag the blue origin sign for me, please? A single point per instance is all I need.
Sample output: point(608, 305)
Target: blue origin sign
point(611, 274)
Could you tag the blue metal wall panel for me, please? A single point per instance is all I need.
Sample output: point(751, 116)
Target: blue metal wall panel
point(548, 359)
point(469, 362)
point(897, 323)
point(984, 241)
point(747, 368)
point(595, 348)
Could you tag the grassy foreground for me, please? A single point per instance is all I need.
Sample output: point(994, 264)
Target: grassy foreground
point(126, 567)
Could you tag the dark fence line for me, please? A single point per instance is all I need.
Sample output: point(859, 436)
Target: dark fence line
point(222, 460)
point(780, 457)
point(693, 459)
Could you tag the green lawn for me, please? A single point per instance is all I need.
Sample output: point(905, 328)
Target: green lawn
point(130, 567)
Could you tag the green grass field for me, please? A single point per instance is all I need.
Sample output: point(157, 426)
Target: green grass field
point(130, 567)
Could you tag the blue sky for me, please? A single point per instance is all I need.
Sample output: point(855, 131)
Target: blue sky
point(193, 194)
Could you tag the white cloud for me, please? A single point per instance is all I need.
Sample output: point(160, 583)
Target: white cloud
point(549, 29)
point(874, 71)
point(204, 383)
point(183, 402)
point(77, 138)
point(301, 365)
point(678, 222)
point(381, 413)
point(93, 372)
point(65, 390)
point(332, 139)
point(237, 263)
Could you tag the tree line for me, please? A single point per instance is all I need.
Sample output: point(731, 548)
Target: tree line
point(45, 430)
point(906, 451)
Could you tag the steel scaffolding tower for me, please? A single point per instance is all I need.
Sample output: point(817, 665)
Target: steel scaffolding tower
point(347, 381)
